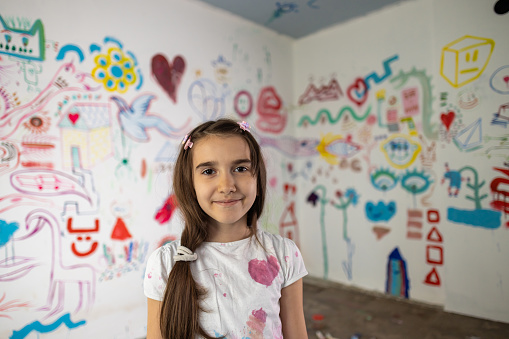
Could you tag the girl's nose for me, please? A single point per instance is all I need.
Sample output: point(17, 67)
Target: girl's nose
point(227, 184)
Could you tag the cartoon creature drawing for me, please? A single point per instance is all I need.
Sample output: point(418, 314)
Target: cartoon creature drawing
point(135, 121)
point(454, 181)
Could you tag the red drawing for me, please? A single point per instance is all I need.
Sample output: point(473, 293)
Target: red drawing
point(238, 101)
point(430, 249)
point(86, 237)
point(414, 224)
point(500, 196)
point(166, 211)
point(329, 92)
point(288, 225)
point(434, 235)
point(433, 216)
point(358, 92)
point(74, 117)
point(120, 231)
point(269, 107)
point(380, 231)
point(447, 119)
point(167, 74)
point(432, 278)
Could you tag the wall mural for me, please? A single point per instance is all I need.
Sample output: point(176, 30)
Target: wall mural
point(82, 126)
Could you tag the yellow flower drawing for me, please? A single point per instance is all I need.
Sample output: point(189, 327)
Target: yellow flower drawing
point(114, 70)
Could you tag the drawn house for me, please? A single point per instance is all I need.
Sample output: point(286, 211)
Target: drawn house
point(86, 135)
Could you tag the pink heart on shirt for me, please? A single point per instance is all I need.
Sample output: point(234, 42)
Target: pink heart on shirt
point(264, 272)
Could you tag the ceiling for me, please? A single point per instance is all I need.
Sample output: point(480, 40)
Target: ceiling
point(298, 18)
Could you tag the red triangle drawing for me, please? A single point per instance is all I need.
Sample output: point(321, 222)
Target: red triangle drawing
point(288, 217)
point(120, 231)
point(434, 235)
point(432, 278)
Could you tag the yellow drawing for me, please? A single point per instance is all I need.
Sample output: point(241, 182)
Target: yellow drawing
point(114, 70)
point(332, 147)
point(400, 150)
point(464, 59)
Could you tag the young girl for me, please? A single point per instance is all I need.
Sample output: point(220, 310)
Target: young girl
point(225, 276)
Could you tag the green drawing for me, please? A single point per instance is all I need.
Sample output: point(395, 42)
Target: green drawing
point(326, 112)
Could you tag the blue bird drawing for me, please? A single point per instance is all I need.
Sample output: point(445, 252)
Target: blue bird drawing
point(135, 121)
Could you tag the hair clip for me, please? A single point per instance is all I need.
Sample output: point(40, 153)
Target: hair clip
point(187, 142)
point(244, 126)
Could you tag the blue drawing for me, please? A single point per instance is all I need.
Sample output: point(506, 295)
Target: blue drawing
point(94, 48)
point(7, 231)
point(207, 99)
point(470, 138)
point(397, 283)
point(283, 8)
point(40, 328)
point(384, 180)
point(135, 121)
point(454, 178)
point(381, 211)
point(24, 44)
point(387, 73)
point(480, 218)
point(311, 3)
point(415, 182)
point(502, 116)
point(499, 80)
point(113, 40)
point(70, 48)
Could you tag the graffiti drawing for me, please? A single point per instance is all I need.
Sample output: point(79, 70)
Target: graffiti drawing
point(69, 48)
point(499, 191)
point(400, 150)
point(469, 138)
point(115, 71)
point(381, 211)
point(501, 117)
point(331, 91)
point(397, 283)
point(272, 115)
point(464, 59)
point(324, 115)
point(499, 80)
point(135, 121)
point(168, 74)
point(208, 99)
point(25, 44)
point(243, 103)
point(375, 78)
point(38, 327)
point(332, 147)
point(414, 224)
point(478, 217)
point(83, 236)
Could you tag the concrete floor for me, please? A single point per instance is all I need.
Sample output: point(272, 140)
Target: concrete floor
point(350, 313)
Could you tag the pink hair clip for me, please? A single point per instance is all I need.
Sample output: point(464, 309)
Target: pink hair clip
point(244, 126)
point(187, 142)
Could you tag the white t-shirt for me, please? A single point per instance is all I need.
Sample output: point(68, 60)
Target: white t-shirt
point(243, 281)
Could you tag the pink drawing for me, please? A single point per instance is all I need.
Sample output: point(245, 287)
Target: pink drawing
point(256, 323)
point(410, 101)
point(270, 108)
point(167, 74)
point(66, 79)
point(264, 272)
point(62, 276)
point(358, 92)
point(74, 117)
point(447, 119)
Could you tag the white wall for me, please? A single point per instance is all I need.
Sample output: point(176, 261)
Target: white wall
point(125, 179)
point(467, 262)
point(111, 303)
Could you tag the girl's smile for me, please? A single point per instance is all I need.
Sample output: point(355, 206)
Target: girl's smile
point(223, 180)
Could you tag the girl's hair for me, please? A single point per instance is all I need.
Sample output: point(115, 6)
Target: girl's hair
point(181, 303)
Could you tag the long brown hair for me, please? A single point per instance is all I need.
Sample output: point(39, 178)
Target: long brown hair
point(180, 307)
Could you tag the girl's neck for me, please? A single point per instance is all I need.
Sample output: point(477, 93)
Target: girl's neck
point(224, 234)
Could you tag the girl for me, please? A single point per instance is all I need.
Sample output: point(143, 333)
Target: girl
point(225, 277)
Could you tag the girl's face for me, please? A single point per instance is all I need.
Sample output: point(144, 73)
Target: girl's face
point(223, 180)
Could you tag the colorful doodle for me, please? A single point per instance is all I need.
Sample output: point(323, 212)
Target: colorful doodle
point(332, 147)
point(381, 211)
point(331, 91)
point(272, 115)
point(397, 283)
point(324, 115)
point(168, 74)
point(400, 150)
point(38, 327)
point(25, 44)
point(114, 70)
point(465, 59)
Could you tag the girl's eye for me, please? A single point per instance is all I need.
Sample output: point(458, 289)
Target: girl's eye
point(241, 169)
point(208, 172)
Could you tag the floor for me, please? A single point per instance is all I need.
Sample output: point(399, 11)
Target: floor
point(336, 311)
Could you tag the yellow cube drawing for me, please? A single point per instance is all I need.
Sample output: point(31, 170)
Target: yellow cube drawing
point(464, 59)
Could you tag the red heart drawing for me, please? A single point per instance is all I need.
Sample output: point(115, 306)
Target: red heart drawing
point(167, 74)
point(263, 271)
point(74, 117)
point(360, 90)
point(447, 119)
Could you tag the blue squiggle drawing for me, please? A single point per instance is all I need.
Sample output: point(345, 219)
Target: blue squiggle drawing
point(70, 48)
point(38, 327)
point(387, 72)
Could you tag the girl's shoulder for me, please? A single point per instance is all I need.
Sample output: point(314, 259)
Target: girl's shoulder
point(274, 240)
point(165, 252)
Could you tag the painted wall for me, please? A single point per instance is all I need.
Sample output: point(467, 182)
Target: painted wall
point(405, 190)
point(385, 168)
point(95, 98)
